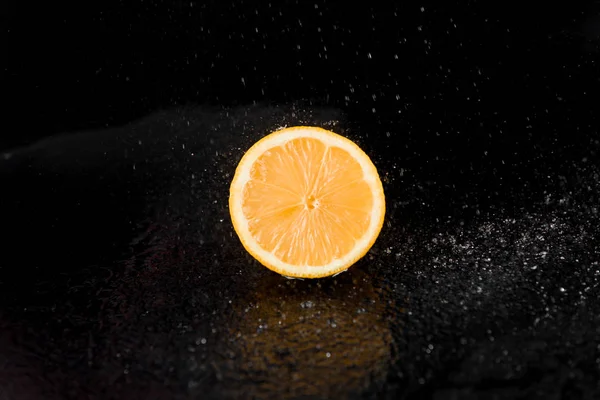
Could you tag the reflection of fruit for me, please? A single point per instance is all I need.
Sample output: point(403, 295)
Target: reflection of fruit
point(306, 202)
point(319, 339)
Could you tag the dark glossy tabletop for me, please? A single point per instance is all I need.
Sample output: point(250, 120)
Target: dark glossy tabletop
point(121, 276)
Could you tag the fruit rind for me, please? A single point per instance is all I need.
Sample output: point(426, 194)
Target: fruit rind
point(242, 175)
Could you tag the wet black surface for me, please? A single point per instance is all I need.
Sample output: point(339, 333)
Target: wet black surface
point(122, 278)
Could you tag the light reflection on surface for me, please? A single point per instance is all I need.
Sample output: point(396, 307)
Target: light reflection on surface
point(328, 338)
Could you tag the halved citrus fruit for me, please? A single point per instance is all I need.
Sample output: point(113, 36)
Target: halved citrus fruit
point(306, 202)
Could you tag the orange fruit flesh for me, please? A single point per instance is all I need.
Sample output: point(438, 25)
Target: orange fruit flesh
point(306, 202)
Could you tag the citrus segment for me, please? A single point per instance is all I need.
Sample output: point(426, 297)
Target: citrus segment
point(306, 202)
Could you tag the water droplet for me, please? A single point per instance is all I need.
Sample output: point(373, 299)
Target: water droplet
point(307, 304)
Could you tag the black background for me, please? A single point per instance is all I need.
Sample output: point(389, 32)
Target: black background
point(74, 66)
point(121, 276)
